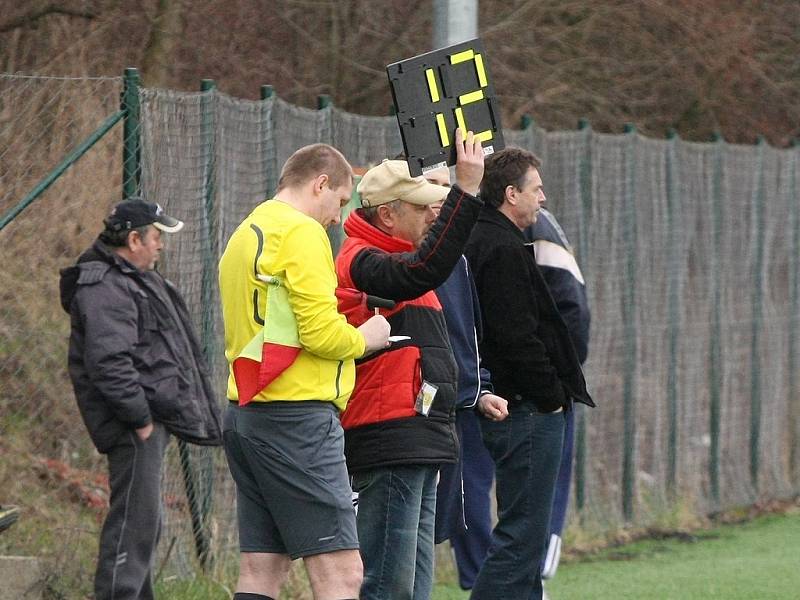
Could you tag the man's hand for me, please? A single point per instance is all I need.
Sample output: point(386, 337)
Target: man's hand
point(469, 162)
point(376, 332)
point(144, 432)
point(493, 407)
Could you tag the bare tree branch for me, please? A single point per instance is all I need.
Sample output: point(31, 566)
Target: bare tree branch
point(42, 12)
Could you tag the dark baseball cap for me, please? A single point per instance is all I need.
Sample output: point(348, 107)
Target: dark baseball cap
point(135, 212)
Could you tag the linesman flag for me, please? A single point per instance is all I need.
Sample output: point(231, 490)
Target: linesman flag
point(274, 348)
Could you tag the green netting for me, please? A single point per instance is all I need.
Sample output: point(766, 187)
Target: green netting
point(42, 439)
point(690, 252)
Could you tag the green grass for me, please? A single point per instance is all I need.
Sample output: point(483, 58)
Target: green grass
point(758, 559)
point(196, 589)
point(755, 559)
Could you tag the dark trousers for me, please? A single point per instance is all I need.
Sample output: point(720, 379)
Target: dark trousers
point(463, 500)
point(526, 449)
point(131, 529)
point(561, 499)
point(395, 528)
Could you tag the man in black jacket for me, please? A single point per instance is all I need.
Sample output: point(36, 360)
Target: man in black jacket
point(463, 495)
point(527, 348)
point(138, 374)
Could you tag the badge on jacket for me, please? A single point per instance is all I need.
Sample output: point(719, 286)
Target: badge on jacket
point(427, 392)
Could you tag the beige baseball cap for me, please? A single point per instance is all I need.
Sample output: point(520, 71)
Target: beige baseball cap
point(391, 180)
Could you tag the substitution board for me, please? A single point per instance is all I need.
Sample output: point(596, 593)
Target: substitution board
point(437, 92)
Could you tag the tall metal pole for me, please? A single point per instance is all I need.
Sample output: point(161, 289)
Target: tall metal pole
point(585, 183)
point(759, 291)
point(131, 136)
point(199, 508)
point(629, 228)
point(454, 21)
point(715, 339)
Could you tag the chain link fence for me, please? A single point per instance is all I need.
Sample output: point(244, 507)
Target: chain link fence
point(47, 462)
point(690, 252)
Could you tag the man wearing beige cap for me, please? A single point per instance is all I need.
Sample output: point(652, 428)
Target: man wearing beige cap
point(400, 421)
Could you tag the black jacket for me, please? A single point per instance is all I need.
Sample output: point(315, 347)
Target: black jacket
point(133, 355)
point(525, 345)
point(564, 278)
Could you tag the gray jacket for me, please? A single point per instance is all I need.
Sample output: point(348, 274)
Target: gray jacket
point(133, 355)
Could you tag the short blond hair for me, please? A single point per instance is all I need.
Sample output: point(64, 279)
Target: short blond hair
point(311, 161)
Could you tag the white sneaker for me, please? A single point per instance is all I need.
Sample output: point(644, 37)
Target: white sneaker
point(552, 557)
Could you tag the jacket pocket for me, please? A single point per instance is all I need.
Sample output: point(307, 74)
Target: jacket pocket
point(167, 393)
point(386, 388)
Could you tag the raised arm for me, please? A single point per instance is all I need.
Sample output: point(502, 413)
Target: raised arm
point(407, 275)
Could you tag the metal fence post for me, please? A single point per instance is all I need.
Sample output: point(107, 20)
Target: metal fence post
point(673, 226)
point(207, 129)
point(335, 232)
point(758, 312)
point(794, 320)
point(715, 349)
point(199, 510)
point(526, 121)
point(61, 168)
point(629, 325)
point(325, 103)
point(131, 141)
point(585, 182)
point(268, 92)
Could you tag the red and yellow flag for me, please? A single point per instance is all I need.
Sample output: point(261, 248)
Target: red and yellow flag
point(274, 348)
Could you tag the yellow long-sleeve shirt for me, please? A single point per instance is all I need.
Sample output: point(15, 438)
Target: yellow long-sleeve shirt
point(276, 239)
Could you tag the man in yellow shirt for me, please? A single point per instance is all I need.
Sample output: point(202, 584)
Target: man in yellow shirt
point(291, 357)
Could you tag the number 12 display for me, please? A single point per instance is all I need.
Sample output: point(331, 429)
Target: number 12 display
point(437, 92)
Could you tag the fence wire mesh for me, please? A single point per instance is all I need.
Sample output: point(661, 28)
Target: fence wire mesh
point(690, 252)
point(42, 440)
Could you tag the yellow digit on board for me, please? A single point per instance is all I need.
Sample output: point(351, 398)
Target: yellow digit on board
point(463, 56)
point(432, 87)
point(470, 97)
point(443, 137)
point(481, 70)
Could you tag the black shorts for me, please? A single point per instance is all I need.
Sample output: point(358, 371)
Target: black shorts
point(292, 488)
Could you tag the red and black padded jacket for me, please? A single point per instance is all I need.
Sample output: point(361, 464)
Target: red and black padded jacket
point(382, 426)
